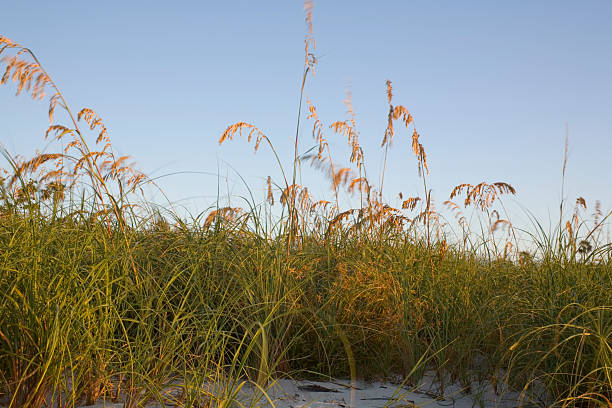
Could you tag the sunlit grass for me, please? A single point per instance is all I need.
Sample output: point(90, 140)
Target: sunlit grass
point(223, 305)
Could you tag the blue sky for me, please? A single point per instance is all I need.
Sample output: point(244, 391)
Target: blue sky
point(490, 85)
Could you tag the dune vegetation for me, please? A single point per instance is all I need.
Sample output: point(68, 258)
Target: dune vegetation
point(106, 296)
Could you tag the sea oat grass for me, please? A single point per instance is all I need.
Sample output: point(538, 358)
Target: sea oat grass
point(78, 325)
point(104, 296)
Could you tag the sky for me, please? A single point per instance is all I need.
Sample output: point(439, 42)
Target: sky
point(491, 87)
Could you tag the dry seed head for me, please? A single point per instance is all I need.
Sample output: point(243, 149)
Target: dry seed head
point(328, 168)
point(270, 197)
point(24, 191)
point(317, 129)
point(319, 204)
point(54, 189)
point(290, 193)
point(422, 217)
point(394, 222)
point(453, 206)
point(7, 43)
point(210, 218)
point(229, 214)
point(580, 201)
point(483, 194)
point(349, 107)
point(347, 130)
point(94, 121)
point(400, 112)
point(116, 165)
point(419, 152)
point(32, 165)
point(342, 127)
point(52, 105)
point(310, 60)
point(410, 203)
point(568, 227)
point(28, 75)
point(430, 209)
point(341, 177)
point(360, 183)
point(52, 175)
point(308, 6)
point(309, 41)
point(389, 131)
point(231, 130)
point(598, 213)
point(458, 190)
point(59, 131)
point(304, 199)
point(334, 223)
point(504, 188)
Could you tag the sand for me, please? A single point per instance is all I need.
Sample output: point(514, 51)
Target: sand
point(317, 394)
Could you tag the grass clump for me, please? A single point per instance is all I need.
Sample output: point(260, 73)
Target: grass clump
point(208, 309)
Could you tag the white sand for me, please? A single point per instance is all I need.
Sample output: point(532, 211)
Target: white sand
point(317, 394)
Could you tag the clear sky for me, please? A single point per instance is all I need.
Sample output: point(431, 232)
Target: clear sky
point(490, 84)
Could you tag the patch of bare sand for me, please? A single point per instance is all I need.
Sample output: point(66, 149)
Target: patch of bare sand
point(286, 393)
